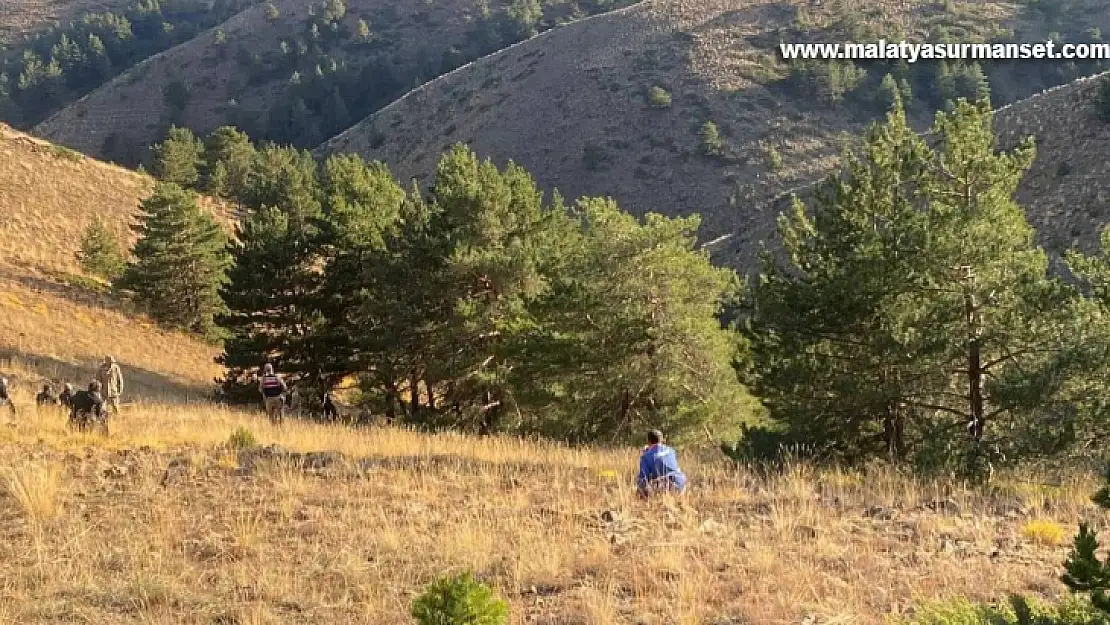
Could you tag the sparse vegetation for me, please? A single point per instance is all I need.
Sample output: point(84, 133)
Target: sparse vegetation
point(242, 438)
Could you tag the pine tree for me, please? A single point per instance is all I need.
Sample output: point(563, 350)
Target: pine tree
point(179, 158)
point(888, 93)
point(228, 160)
point(1084, 571)
point(180, 261)
point(915, 264)
point(273, 284)
point(100, 252)
point(711, 142)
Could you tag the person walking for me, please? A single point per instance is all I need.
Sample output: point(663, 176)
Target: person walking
point(272, 388)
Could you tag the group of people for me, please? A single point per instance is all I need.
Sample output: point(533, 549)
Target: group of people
point(659, 470)
point(86, 407)
point(277, 398)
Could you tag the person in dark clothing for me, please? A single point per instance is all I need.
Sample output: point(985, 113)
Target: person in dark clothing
point(46, 396)
point(66, 396)
point(273, 390)
point(330, 411)
point(88, 410)
point(5, 396)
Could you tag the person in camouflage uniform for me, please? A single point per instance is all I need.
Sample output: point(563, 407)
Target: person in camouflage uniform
point(46, 396)
point(5, 396)
point(111, 383)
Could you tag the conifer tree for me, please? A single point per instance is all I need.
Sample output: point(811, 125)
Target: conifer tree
point(711, 142)
point(911, 300)
point(888, 92)
point(100, 252)
point(228, 160)
point(178, 159)
point(180, 261)
point(1085, 571)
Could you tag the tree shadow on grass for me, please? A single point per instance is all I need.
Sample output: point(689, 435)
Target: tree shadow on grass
point(139, 385)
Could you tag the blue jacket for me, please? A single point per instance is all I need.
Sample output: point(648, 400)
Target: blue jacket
point(659, 462)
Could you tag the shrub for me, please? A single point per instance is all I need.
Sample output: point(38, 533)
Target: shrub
point(659, 97)
point(100, 253)
point(459, 600)
point(1042, 532)
point(773, 156)
point(242, 438)
point(1017, 611)
point(711, 142)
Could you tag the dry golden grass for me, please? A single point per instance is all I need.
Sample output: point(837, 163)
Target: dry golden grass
point(157, 524)
point(51, 329)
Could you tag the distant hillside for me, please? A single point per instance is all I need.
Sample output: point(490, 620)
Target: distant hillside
point(618, 104)
point(296, 72)
point(20, 17)
point(52, 320)
point(1065, 192)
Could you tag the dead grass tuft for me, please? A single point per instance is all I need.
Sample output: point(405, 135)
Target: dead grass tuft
point(37, 488)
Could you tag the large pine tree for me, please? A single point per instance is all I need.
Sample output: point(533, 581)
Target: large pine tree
point(180, 261)
point(910, 301)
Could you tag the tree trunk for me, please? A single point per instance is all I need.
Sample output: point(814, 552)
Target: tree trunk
point(974, 369)
point(431, 395)
point(414, 395)
point(894, 433)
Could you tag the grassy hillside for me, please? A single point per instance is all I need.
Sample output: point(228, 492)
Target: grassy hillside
point(298, 75)
point(162, 521)
point(1064, 191)
point(20, 17)
point(617, 104)
point(55, 322)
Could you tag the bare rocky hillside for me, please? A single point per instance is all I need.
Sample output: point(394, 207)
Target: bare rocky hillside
point(577, 107)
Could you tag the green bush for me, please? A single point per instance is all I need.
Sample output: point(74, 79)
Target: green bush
point(459, 600)
point(711, 142)
point(242, 438)
point(1017, 611)
point(659, 97)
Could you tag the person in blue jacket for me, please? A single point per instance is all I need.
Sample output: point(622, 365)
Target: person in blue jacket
point(659, 468)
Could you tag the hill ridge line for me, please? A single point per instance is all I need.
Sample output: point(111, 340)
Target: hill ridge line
point(628, 9)
point(809, 185)
point(12, 134)
point(138, 66)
